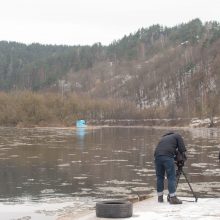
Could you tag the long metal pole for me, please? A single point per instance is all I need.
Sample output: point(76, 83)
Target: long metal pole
point(196, 198)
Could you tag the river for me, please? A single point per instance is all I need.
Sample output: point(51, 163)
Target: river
point(76, 167)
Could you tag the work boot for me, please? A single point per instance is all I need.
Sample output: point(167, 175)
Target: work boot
point(174, 200)
point(160, 198)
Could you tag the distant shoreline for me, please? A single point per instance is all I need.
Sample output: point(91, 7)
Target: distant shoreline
point(166, 122)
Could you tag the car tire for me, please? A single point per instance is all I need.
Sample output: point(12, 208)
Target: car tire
point(114, 209)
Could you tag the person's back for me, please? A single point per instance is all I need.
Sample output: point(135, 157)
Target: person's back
point(169, 143)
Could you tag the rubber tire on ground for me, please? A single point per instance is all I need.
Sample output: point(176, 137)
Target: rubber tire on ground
point(114, 209)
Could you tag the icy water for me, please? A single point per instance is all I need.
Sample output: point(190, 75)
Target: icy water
point(74, 168)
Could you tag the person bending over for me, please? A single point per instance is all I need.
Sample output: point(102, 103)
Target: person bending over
point(164, 156)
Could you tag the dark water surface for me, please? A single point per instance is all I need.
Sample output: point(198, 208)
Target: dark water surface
point(99, 163)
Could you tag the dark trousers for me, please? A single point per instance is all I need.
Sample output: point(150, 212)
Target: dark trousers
point(165, 164)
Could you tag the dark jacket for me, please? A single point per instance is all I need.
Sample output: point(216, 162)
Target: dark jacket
point(169, 144)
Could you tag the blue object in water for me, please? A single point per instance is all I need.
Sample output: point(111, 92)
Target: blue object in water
point(81, 124)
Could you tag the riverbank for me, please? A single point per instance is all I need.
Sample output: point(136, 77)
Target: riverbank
point(205, 208)
point(160, 122)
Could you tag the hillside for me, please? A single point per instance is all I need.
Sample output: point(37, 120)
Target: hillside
point(174, 71)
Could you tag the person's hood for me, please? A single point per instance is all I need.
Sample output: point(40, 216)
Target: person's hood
point(168, 133)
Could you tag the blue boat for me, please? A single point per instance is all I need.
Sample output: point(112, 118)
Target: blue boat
point(81, 124)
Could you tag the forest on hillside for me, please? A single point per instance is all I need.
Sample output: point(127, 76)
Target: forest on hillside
point(156, 72)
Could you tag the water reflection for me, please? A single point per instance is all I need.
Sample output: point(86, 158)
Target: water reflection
point(80, 134)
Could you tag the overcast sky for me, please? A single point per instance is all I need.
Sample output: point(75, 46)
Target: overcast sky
point(73, 22)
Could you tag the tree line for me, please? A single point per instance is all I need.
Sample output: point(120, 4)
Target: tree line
point(27, 108)
point(37, 66)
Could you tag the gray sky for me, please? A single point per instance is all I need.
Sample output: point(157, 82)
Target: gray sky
point(73, 22)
